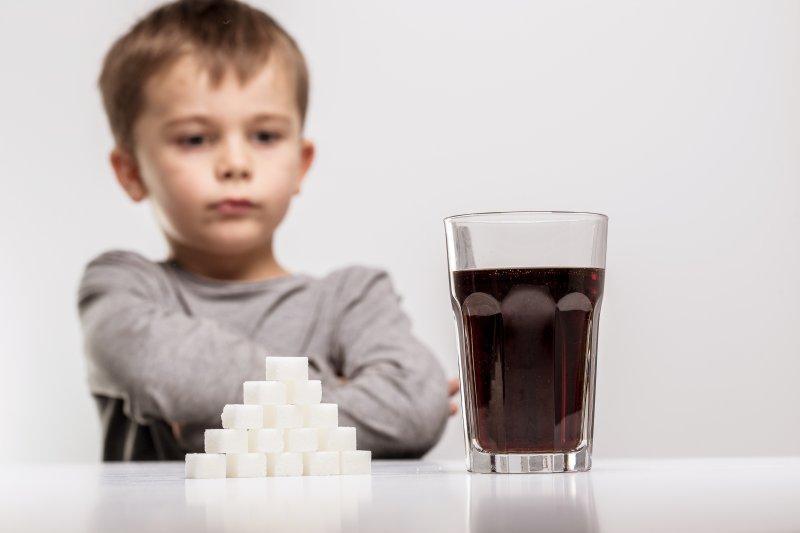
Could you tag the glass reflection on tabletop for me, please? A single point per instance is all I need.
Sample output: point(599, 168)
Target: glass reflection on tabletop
point(517, 502)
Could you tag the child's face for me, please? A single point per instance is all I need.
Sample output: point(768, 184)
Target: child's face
point(219, 165)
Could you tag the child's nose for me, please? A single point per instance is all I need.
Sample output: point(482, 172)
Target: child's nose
point(235, 173)
point(233, 162)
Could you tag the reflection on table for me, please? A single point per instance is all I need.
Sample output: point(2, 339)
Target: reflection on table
point(621, 495)
point(324, 503)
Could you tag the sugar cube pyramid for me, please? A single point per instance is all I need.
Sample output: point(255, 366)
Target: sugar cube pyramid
point(281, 429)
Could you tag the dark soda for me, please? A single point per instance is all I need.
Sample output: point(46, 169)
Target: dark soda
point(528, 332)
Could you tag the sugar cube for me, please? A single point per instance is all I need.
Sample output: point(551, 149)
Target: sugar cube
point(340, 439)
point(285, 464)
point(321, 415)
point(302, 439)
point(265, 440)
point(226, 441)
point(281, 429)
point(321, 463)
point(282, 416)
point(239, 416)
point(205, 465)
point(303, 392)
point(287, 368)
point(246, 465)
point(356, 462)
point(264, 392)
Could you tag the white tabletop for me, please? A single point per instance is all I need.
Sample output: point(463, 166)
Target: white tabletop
point(619, 495)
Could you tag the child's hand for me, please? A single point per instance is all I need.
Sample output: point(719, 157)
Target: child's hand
point(452, 390)
point(177, 430)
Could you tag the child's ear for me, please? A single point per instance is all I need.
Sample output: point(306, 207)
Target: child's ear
point(307, 151)
point(127, 172)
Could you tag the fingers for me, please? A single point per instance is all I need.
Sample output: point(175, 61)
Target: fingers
point(452, 386)
point(452, 389)
point(177, 430)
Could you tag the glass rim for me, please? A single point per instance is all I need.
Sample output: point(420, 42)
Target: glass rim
point(480, 217)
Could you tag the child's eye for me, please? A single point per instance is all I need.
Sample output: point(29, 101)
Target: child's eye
point(266, 137)
point(192, 141)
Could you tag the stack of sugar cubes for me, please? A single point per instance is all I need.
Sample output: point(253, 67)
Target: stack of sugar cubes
point(281, 429)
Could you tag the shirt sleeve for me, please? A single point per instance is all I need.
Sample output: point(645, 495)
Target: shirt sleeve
point(162, 362)
point(395, 392)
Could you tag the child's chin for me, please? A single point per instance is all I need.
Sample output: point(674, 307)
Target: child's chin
point(234, 243)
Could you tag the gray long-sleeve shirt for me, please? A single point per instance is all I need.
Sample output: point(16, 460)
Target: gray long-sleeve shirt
point(166, 346)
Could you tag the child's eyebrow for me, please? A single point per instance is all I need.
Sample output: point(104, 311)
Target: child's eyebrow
point(192, 118)
point(260, 117)
point(264, 117)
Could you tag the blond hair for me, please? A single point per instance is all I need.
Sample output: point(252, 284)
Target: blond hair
point(220, 34)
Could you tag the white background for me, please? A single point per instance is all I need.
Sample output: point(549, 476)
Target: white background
point(679, 120)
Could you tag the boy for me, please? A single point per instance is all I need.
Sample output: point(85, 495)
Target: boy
point(206, 100)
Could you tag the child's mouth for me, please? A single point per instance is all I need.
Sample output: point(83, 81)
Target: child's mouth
point(233, 206)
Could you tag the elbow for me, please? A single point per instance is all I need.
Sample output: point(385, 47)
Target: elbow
point(426, 416)
point(418, 426)
point(428, 424)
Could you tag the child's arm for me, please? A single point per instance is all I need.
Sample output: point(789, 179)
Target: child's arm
point(394, 391)
point(163, 363)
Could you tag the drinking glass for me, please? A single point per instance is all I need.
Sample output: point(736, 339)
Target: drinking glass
point(526, 289)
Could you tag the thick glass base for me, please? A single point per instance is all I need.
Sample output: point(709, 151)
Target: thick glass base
point(517, 463)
